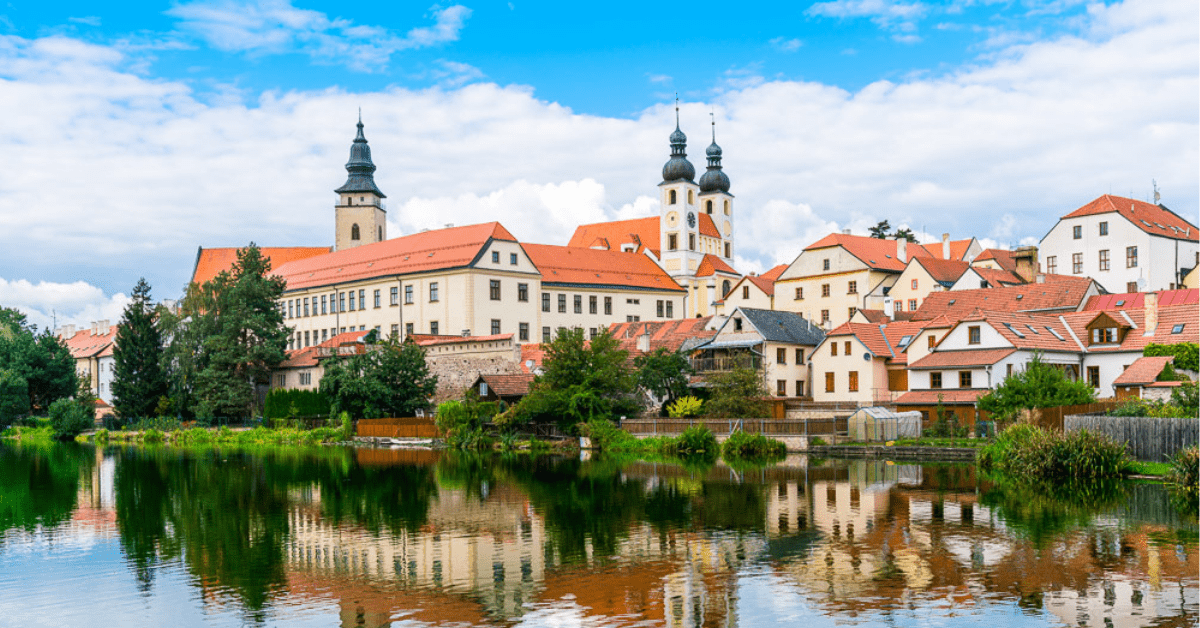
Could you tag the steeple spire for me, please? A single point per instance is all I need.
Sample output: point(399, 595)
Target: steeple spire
point(714, 179)
point(678, 167)
point(360, 168)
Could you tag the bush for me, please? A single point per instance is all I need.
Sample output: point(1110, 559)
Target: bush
point(1185, 467)
point(69, 418)
point(1187, 354)
point(694, 440)
point(152, 436)
point(737, 394)
point(685, 407)
point(286, 403)
point(1025, 451)
point(743, 445)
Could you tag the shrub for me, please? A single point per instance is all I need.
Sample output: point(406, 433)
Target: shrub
point(685, 407)
point(1025, 451)
point(287, 403)
point(1185, 467)
point(737, 394)
point(69, 418)
point(1187, 354)
point(694, 440)
point(817, 441)
point(606, 436)
point(743, 445)
point(152, 436)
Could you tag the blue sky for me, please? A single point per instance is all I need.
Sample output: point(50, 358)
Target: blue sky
point(136, 133)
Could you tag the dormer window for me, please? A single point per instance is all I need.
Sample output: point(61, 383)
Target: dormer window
point(1104, 335)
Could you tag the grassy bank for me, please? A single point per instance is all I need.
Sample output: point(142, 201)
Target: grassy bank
point(695, 441)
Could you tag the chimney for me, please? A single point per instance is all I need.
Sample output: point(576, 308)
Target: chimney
point(66, 331)
point(95, 325)
point(945, 246)
point(103, 324)
point(1026, 260)
point(1150, 305)
point(643, 341)
point(845, 232)
point(1041, 278)
point(466, 333)
point(902, 249)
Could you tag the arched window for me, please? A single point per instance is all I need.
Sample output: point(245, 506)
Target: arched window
point(349, 200)
point(381, 234)
point(354, 231)
point(708, 206)
point(725, 285)
point(691, 198)
point(726, 208)
point(672, 197)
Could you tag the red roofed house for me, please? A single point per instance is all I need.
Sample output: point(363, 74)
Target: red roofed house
point(863, 362)
point(1124, 244)
point(753, 291)
point(92, 350)
point(213, 261)
point(1140, 380)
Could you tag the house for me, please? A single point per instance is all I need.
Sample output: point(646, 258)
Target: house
point(922, 276)
point(1124, 244)
point(92, 350)
point(303, 368)
point(640, 338)
point(1051, 293)
point(863, 362)
point(1137, 300)
point(753, 291)
point(778, 344)
point(508, 387)
point(1140, 380)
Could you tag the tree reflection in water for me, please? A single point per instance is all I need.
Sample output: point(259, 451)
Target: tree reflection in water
point(39, 483)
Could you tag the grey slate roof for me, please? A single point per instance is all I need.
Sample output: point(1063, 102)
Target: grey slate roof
point(776, 326)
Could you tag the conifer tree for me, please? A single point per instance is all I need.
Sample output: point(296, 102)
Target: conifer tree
point(138, 380)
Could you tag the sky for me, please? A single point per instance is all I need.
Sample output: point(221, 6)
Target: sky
point(134, 133)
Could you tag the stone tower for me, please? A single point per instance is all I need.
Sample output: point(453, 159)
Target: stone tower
point(359, 215)
point(715, 199)
point(678, 219)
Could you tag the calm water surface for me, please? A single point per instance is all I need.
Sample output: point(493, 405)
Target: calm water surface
point(345, 537)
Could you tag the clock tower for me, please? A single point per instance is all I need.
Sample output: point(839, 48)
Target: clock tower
point(679, 221)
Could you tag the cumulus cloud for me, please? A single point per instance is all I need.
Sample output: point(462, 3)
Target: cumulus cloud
point(784, 44)
point(115, 174)
point(275, 26)
point(888, 14)
point(46, 303)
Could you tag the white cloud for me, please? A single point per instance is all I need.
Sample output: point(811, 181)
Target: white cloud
point(115, 175)
point(275, 26)
point(887, 14)
point(784, 44)
point(77, 303)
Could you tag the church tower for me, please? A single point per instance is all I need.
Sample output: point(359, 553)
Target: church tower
point(715, 199)
point(359, 215)
point(678, 220)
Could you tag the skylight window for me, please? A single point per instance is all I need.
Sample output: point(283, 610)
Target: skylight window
point(1121, 302)
point(905, 340)
point(1014, 330)
point(1031, 328)
point(952, 301)
point(1177, 329)
point(1051, 330)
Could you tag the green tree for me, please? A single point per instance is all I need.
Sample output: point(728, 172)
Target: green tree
point(880, 230)
point(41, 360)
point(663, 373)
point(388, 379)
point(138, 379)
point(1187, 354)
point(581, 380)
point(14, 397)
point(737, 394)
point(1040, 385)
point(906, 233)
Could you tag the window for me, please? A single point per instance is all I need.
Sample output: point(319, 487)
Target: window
point(433, 292)
point(495, 326)
point(306, 341)
point(1177, 328)
point(824, 316)
point(512, 259)
point(593, 306)
point(904, 341)
point(824, 289)
point(781, 388)
point(672, 241)
point(846, 347)
point(737, 324)
point(1077, 232)
point(1052, 264)
point(1094, 373)
point(964, 379)
point(523, 292)
point(691, 242)
point(395, 296)
point(1103, 259)
point(579, 304)
point(853, 385)
point(545, 302)
point(395, 330)
point(900, 305)
point(362, 299)
point(324, 335)
point(781, 356)
point(1104, 335)
point(592, 333)
point(671, 198)
point(433, 327)
point(659, 309)
point(726, 208)
point(1104, 228)
point(670, 309)
point(1131, 286)
point(728, 250)
point(708, 206)
point(632, 319)
point(833, 348)
point(608, 306)
point(494, 289)
point(342, 302)
point(354, 231)
point(523, 332)
point(378, 298)
point(935, 380)
point(914, 284)
point(545, 334)
point(691, 197)
point(1077, 263)
point(562, 304)
point(290, 309)
point(799, 294)
point(495, 257)
point(324, 309)
point(306, 306)
point(973, 337)
point(852, 287)
point(829, 382)
point(912, 305)
point(408, 329)
point(745, 292)
point(825, 264)
point(932, 341)
point(352, 295)
point(1131, 258)
point(799, 357)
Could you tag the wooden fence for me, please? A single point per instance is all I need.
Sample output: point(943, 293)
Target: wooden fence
point(724, 427)
point(1151, 440)
point(405, 427)
point(1052, 418)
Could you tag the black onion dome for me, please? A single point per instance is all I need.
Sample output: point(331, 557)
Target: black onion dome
point(678, 167)
point(360, 168)
point(714, 178)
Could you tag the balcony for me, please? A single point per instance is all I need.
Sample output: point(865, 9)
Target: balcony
point(726, 363)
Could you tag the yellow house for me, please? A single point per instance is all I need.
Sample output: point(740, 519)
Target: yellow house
point(922, 276)
point(753, 291)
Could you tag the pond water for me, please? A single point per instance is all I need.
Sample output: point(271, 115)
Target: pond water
point(370, 537)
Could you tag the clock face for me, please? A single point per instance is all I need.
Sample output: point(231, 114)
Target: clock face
point(691, 219)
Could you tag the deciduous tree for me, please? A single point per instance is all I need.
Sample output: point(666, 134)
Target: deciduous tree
point(388, 379)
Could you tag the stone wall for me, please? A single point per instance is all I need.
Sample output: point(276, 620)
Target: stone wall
point(458, 371)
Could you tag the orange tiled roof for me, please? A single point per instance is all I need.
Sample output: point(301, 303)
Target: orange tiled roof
point(1144, 370)
point(876, 253)
point(1003, 258)
point(307, 357)
point(946, 396)
point(1136, 339)
point(671, 335)
point(590, 267)
point(764, 284)
point(211, 262)
point(1057, 293)
point(427, 340)
point(943, 271)
point(1137, 300)
point(707, 227)
point(711, 265)
point(532, 356)
point(870, 335)
point(958, 249)
point(1153, 219)
point(997, 278)
point(1015, 328)
point(774, 273)
point(437, 249)
point(509, 385)
point(970, 357)
point(642, 232)
point(83, 344)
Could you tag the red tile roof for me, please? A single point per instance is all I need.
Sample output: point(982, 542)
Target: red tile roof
point(1003, 258)
point(1136, 339)
point(438, 249)
point(997, 278)
point(1137, 300)
point(707, 227)
point(774, 273)
point(944, 395)
point(876, 253)
point(882, 340)
point(1021, 336)
point(874, 316)
point(211, 262)
point(711, 265)
point(958, 249)
point(83, 344)
point(427, 340)
point(764, 284)
point(670, 335)
point(582, 266)
point(971, 357)
point(1153, 219)
point(509, 385)
point(307, 357)
point(641, 232)
point(1060, 293)
point(943, 271)
point(532, 356)
point(1143, 371)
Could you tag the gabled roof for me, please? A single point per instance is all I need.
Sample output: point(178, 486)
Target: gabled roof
point(84, 344)
point(876, 317)
point(508, 385)
point(958, 249)
point(1144, 370)
point(1137, 300)
point(1060, 293)
point(997, 278)
point(779, 326)
point(1185, 316)
point(955, 359)
point(429, 340)
point(774, 273)
point(943, 271)
point(711, 265)
point(869, 334)
point(438, 249)
point(874, 252)
point(941, 395)
point(532, 356)
point(707, 227)
point(1152, 219)
point(673, 335)
point(307, 357)
point(642, 232)
point(1004, 259)
point(211, 262)
point(764, 282)
point(1043, 332)
point(589, 267)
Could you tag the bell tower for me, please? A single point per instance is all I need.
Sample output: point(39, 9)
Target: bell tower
point(679, 219)
point(715, 199)
point(360, 216)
